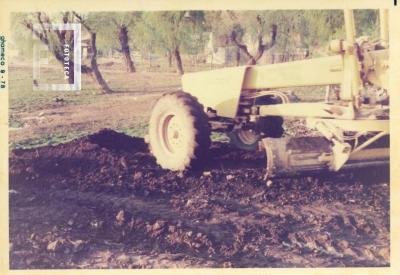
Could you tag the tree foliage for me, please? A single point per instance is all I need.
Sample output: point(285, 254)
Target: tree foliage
point(104, 23)
point(172, 33)
point(308, 29)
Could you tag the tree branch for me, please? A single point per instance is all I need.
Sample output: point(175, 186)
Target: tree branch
point(232, 15)
point(38, 34)
point(93, 69)
point(242, 47)
point(83, 23)
point(115, 22)
point(65, 17)
point(39, 18)
point(130, 22)
point(264, 47)
point(44, 39)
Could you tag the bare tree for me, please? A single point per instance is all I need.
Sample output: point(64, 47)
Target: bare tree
point(238, 57)
point(44, 35)
point(178, 60)
point(56, 39)
point(172, 32)
point(261, 45)
point(93, 59)
point(124, 43)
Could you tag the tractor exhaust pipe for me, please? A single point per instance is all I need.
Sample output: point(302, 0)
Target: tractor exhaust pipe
point(304, 155)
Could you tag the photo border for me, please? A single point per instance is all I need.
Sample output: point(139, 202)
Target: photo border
point(8, 6)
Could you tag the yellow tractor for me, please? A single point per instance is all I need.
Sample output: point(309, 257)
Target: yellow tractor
point(249, 103)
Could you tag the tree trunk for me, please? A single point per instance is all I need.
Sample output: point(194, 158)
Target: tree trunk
point(178, 60)
point(237, 57)
point(306, 54)
point(70, 78)
point(95, 68)
point(169, 55)
point(251, 61)
point(123, 39)
point(84, 69)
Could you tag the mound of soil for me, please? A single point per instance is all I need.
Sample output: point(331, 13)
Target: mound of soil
point(102, 201)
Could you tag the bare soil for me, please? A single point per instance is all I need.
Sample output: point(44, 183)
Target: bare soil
point(110, 111)
point(102, 202)
point(50, 117)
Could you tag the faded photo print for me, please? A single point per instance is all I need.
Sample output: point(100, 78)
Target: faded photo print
point(199, 139)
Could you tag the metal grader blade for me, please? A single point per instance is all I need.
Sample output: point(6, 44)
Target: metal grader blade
point(303, 155)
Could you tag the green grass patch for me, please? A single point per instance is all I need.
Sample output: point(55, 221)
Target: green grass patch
point(22, 97)
point(138, 129)
point(47, 140)
point(14, 122)
point(219, 137)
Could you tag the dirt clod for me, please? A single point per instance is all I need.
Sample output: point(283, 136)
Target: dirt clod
point(55, 246)
point(120, 218)
point(137, 176)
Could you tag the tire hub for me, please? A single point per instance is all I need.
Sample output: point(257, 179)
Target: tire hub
point(172, 136)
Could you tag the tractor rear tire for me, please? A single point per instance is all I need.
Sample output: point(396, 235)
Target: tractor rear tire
point(179, 132)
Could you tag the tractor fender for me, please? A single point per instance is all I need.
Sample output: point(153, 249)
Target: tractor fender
point(218, 89)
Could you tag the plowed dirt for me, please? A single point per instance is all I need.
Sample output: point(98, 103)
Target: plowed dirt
point(102, 201)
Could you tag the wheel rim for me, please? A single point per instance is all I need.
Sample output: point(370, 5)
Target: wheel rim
point(172, 134)
point(248, 137)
